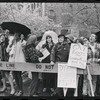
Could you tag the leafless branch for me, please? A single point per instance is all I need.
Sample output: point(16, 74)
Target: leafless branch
point(81, 10)
point(12, 13)
point(98, 19)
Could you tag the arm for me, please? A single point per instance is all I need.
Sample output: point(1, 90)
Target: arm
point(53, 51)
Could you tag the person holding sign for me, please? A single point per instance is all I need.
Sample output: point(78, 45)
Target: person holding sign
point(93, 57)
point(31, 56)
point(59, 53)
point(48, 78)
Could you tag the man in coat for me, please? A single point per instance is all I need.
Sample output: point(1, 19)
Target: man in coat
point(59, 53)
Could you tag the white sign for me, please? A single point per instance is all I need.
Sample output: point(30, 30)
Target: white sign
point(78, 56)
point(66, 76)
point(45, 53)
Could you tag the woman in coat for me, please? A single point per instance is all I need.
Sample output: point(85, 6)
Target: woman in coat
point(17, 55)
point(48, 78)
point(32, 55)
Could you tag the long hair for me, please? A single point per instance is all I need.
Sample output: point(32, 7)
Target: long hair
point(47, 42)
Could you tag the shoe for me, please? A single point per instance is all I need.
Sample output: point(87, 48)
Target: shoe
point(12, 94)
point(52, 90)
point(54, 94)
point(97, 95)
point(16, 92)
point(20, 93)
point(3, 90)
point(35, 95)
point(44, 90)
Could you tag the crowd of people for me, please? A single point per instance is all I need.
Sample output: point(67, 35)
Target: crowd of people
point(20, 49)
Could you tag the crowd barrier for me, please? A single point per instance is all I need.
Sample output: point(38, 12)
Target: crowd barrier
point(91, 69)
point(45, 67)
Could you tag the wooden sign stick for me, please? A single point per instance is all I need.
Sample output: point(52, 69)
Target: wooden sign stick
point(90, 80)
point(76, 90)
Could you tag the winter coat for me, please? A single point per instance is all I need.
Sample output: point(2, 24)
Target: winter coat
point(47, 59)
point(3, 54)
point(16, 53)
point(60, 52)
point(31, 54)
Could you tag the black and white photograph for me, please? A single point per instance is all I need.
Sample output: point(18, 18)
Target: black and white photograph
point(49, 49)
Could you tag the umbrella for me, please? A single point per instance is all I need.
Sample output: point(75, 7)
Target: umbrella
point(98, 36)
point(16, 27)
point(43, 40)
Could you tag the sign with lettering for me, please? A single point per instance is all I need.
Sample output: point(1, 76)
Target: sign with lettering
point(78, 56)
point(66, 76)
point(45, 53)
point(33, 67)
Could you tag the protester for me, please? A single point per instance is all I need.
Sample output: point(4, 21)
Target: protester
point(17, 55)
point(59, 53)
point(32, 55)
point(48, 78)
point(80, 81)
point(69, 39)
point(6, 74)
point(93, 57)
point(86, 41)
point(3, 57)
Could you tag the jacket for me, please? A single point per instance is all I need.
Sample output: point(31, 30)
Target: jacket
point(47, 59)
point(60, 52)
point(31, 54)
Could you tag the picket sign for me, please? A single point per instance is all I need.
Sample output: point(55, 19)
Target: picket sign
point(94, 69)
point(78, 56)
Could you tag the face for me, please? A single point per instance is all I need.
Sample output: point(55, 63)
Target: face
point(92, 38)
point(2, 38)
point(22, 36)
point(7, 33)
point(16, 36)
point(86, 41)
point(68, 40)
point(61, 39)
point(49, 39)
point(77, 41)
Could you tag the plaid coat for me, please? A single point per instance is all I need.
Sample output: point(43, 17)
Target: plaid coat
point(93, 57)
point(31, 54)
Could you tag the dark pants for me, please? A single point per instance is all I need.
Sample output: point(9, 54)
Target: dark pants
point(18, 79)
point(59, 91)
point(48, 80)
point(34, 84)
point(80, 85)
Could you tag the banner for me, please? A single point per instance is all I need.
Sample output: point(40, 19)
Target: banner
point(44, 67)
point(32, 67)
point(66, 76)
point(78, 56)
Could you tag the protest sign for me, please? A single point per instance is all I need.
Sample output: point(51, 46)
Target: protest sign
point(78, 56)
point(45, 53)
point(66, 76)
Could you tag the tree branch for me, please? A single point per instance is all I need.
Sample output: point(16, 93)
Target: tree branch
point(81, 10)
point(98, 19)
point(12, 13)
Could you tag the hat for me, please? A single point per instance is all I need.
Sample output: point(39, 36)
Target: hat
point(70, 37)
point(61, 35)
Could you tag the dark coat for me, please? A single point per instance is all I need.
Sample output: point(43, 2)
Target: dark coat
point(31, 54)
point(47, 59)
point(4, 56)
point(60, 52)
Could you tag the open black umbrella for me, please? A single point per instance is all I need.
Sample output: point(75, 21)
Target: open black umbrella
point(98, 36)
point(16, 27)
